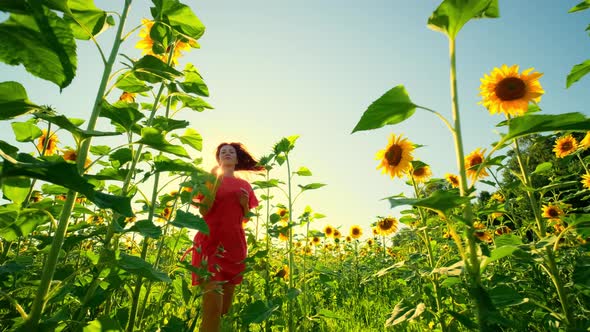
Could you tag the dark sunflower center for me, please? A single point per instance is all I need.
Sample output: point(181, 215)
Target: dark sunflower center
point(420, 172)
point(566, 146)
point(553, 213)
point(394, 155)
point(510, 88)
point(386, 224)
point(476, 160)
point(355, 231)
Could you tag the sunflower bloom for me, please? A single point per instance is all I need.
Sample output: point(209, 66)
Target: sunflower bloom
point(503, 230)
point(421, 174)
point(51, 143)
point(565, 146)
point(356, 231)
point(127, 97)
point(146, 42)
point(336, 234)
point(453, 180)
point(386, 226)
point(396, 157)
point(283, 272)
point(315, 240)
point(585, 142)
point(483, 236)
point(284, 236)
point(506, 91)
point(370, 242)
point(586, 180)
point(472, 160)
point(329, 231)
point(552, 212)
point(71, 155)
point(348, 238)
point(498, 197)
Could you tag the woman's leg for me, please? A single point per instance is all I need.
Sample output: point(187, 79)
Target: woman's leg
point(228, 294)
point(212, 304)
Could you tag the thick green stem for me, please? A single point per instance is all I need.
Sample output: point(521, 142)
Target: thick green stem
point(553, 270)
point(49, 268)
point(472, 264)
point(290, 244)
point(32, 323)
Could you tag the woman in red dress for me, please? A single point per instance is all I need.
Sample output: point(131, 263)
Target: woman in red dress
point(223, 251)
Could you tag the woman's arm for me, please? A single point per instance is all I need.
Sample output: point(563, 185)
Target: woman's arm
point(209, 198)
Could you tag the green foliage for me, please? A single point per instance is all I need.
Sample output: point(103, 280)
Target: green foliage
point(393, 107)
point(41, 41)
point(577, 72)
point(452, 15)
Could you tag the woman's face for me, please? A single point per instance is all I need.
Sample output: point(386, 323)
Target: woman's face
point(228, 156)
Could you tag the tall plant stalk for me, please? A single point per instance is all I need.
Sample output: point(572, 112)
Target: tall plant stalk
point(551, 269)
point(32, 323)
point(472, 263)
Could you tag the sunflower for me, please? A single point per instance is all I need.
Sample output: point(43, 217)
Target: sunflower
point(127, 97)
point(503, 230)
point(146, 43)
point(585, 142)
point(283, 272)
point(375, 231)
point(315, 240)
point(71, 155)
point(51, 143)
point(336, 234)
point(348, 238)
point(453, 180)
point(370, 242)
point(329, 231)
point(283, 236)
point(506, 91)
point(396, 157)
point(356, 231)
point(179, 47)
point(483, 236)
point(478, 225)
point(386, 226)
point(472, 160)
point(421, 174)
point(565, 146)
point(283, 213)
point(586, 180)
point(552, 212)
point(498, 197)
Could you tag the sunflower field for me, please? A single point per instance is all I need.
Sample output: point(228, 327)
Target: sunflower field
point(90, 240)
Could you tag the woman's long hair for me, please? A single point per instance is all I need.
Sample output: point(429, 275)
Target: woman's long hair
point(245, 160)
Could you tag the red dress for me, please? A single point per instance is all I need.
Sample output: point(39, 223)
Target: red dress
point(224, 249)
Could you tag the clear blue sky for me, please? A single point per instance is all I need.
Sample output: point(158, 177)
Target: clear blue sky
point(311, 68)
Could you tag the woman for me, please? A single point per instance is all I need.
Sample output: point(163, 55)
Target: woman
point(223, 251)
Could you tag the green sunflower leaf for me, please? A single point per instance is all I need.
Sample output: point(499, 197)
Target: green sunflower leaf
point(452, 15)
point(192, 138)
point(85, 19)
point(42, 42)
point(121, 113)
point(581, 6)
point(577, 72)
point(311, 186)
point(26, 131)
point(16, 188)
point(189, 220)
point(193, 82)
point(13, 98)
point(537, 123)
point(129, 83)
point(64, 174)
point(180, 17)
point(140, 267)
point(440, 200)
point(393, 107)
point(165, 164)
point(153, 70)
point(154, 139)
point(26, 221)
